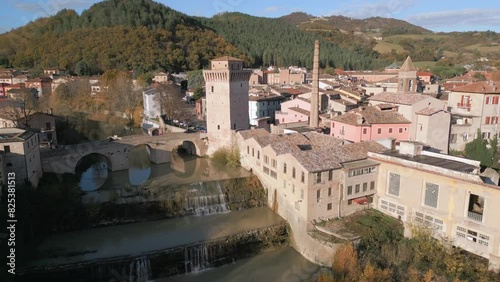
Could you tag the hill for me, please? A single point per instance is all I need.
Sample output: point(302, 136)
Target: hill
point(146, 36)
point(139, 35)
point(274, 42)
point(396, 39)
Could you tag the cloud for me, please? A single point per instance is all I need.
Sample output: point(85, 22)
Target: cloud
point(363, 9)
point(51, 7)
point(271, 9)
point(452, 19)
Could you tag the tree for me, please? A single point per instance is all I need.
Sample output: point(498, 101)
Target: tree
point(195, 79)
point(479, 76)
point(121, 94)
point(478, 150)
point(171, 104)
point(20, 108)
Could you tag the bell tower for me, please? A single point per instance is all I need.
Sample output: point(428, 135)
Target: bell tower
point(226, 88)
point(407, 77)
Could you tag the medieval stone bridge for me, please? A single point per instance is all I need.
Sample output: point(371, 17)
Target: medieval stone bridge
point(116, 151)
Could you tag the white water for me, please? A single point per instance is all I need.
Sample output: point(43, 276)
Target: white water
point(206, 202)
point(139, 270)
point(198, 258)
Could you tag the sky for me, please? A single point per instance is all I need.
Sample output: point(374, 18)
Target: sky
point(436, 15)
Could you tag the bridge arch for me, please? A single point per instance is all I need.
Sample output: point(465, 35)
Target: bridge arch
point(89, 159)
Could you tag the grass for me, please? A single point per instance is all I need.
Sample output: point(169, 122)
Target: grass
point(386, 47)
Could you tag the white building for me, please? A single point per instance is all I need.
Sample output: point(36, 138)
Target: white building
point(263, 106)
point(21, 153)
point(152, 108)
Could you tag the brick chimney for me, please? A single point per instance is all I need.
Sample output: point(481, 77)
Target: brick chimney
point(314, 118)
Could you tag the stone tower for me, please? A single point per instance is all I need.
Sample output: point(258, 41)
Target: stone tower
point(226, 87)
point(314, 113)
point(407, 77)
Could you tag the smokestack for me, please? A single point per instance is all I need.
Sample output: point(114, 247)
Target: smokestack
point(314, 118)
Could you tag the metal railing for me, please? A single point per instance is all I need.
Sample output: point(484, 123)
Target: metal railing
point(475, 216)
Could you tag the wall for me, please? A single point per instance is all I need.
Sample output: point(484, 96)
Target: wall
point(450, 216)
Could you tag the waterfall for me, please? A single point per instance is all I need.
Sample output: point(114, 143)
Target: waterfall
point(198, 258)
point(207, 201)
point(139, 270)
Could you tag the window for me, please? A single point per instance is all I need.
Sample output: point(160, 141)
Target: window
point(284, 168)
point(487, 120)
point(379, 131)
point(248, 150)
point(253, 152)
point(495, 100)
point(266, 159)
point(330, 175)
point(302, 193)
point(365, 187)
point(356, 190)
point(394, 181)
point(212, 88)
point(372, 185)
point(318, 177)
point(390, 130)
point(349, 190)
point(293, 188)
point(6, 149)
point(293, 173)
point(258, 155)
point(329, 206)
point(218, 127)
point(476, 207)
point(453, 138)
point(329, 191)
point(333, 124)
point(302, 177)
point(431, 194)
point(318, 194)
point(488, 100)
point(365, 131)
point(273, 163)
point(47, 126)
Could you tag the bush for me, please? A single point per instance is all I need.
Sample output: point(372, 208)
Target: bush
point(227, 157)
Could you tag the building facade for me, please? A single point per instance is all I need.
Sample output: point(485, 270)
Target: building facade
point(445, 193)
point(474, 106)
point(371, 123)
point(21, 152)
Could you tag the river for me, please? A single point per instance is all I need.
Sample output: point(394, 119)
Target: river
point(142, 238)
point(284, 265)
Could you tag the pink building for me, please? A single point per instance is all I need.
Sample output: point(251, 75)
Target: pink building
point(295, 110)
point(371, 123)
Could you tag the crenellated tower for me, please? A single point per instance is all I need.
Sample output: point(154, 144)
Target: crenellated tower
point(226, 87)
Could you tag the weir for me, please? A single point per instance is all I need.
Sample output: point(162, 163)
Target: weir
point(204, 202)
point(159, 248)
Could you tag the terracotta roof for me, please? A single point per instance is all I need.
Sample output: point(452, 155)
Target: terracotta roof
point(332, 157)
point(314, 151)
point(408, 65)
point(424, 73)
point(398, 98)
point(371, 115)
point(492, 87)
point(428, 111)
point(253, 133)
point(227, 58)
point(299, 110)
point(265, 97)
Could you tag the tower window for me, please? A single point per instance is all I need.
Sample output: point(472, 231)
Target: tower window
point(212, 88)
point(218, 127)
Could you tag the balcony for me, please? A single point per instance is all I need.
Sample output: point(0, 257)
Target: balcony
point(475, 216)
point(466, 106)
